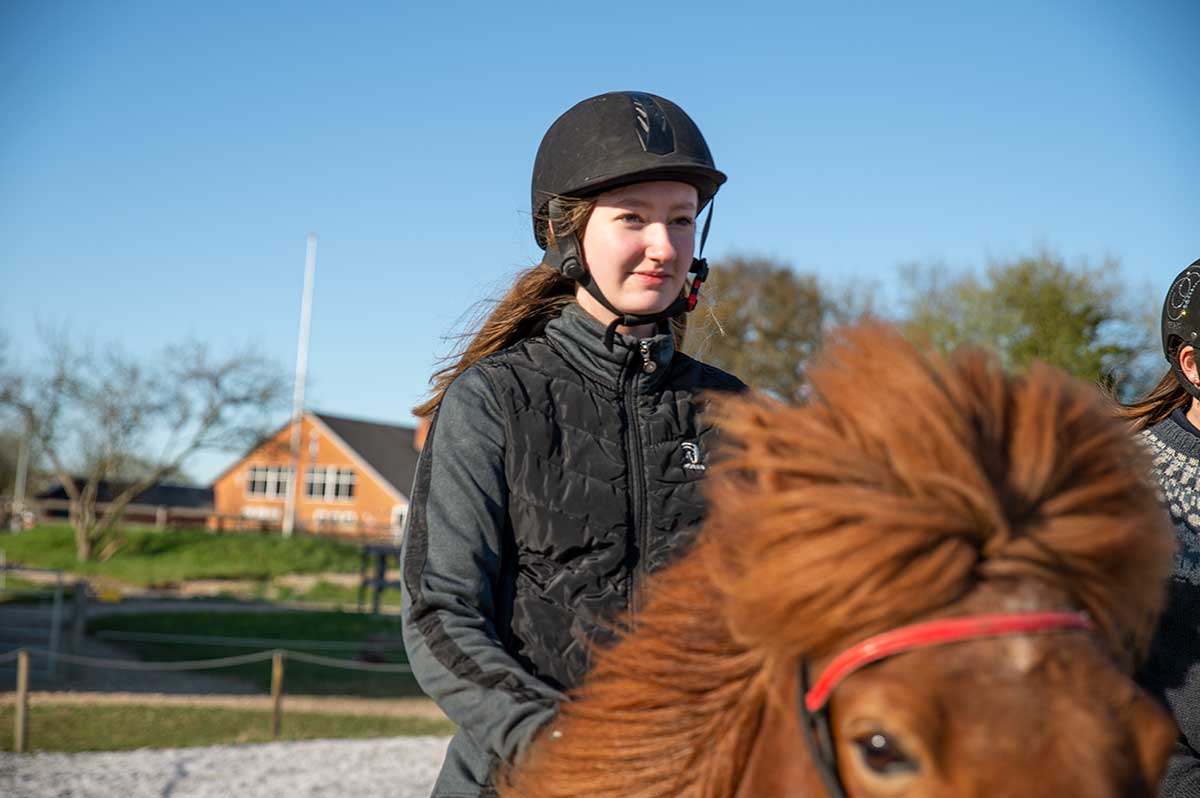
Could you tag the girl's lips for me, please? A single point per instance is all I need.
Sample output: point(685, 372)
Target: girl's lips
point(653, 278)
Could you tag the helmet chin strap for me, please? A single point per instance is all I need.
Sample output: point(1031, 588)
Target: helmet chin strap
point(567, 258)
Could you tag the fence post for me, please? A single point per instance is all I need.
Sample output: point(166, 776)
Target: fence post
point(79, 615)
point(21, 737)
point(160, 518)
point(276, 694)
point(56, 623)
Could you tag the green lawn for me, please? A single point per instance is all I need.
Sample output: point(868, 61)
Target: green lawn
point(154, 559)
point(22, 591)
point(376, 636)
point(329, 593)
point(121, 728)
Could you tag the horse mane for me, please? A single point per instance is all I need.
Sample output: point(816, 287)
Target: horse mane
point(909, 476)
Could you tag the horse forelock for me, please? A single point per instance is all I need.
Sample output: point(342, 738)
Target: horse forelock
point(909, 479)
point(906, 482)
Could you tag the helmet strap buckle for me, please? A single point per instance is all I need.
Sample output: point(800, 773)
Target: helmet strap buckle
point(700, 269)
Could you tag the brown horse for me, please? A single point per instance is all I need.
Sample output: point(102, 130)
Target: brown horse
point(910, 489)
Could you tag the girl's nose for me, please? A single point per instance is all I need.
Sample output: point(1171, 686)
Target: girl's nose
point(658, 245)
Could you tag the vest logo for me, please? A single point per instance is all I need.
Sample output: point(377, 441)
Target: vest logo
point(691, 457)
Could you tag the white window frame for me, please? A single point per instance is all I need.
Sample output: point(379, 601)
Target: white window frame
point(331, 480)
point(257, 512)
point(330, 518)
point(274, 479)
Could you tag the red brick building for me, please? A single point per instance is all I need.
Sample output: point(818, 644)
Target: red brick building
point(355, 477)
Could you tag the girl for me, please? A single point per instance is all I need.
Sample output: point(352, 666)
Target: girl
point(566, 449)
point(1169, 419)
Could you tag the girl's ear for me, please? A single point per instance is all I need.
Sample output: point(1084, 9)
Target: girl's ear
point(1187, 363)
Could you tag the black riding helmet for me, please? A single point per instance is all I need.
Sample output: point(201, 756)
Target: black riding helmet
point(1181, 321)
point(609, 141)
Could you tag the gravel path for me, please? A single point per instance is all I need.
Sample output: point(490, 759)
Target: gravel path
point(396, 768)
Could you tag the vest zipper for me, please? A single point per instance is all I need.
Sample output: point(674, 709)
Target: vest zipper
point(637, 477)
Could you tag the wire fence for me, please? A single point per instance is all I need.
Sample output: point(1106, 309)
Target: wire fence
point(277, 656)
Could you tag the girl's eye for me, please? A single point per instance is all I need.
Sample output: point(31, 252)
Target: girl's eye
point(632, 218)
point(685, 221)
point(880, 754)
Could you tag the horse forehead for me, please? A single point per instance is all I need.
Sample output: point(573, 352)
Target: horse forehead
point(1021, 653)
point(1054, 716)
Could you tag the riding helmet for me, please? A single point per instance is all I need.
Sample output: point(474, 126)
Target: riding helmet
point(1181, 320)
point(615, 139)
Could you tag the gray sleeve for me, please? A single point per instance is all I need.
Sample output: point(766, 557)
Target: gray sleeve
point(1182, 779)
point(451, 569)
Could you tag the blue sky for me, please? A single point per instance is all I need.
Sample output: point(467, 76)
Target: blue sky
point(162, 162)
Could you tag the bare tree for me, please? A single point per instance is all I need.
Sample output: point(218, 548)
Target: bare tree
point(112, 414)
point(763, 321)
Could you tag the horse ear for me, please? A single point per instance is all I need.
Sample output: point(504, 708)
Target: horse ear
point(1154, 734)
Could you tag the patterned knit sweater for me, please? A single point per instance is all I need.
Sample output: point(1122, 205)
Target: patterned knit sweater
point(1173, 669)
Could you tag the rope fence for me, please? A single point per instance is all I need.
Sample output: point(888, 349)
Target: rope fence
point(243, 642)
point(138, 665)
point(277, 656)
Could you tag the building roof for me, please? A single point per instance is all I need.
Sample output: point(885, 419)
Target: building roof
point(387, 448)
point(157, 494)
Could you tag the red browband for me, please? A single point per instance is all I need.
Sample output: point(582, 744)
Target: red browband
point(934, 633)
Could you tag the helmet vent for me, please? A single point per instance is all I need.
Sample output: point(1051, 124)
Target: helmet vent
point(653, 129)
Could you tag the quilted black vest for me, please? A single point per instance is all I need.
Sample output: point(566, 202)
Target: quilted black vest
point(605, 453)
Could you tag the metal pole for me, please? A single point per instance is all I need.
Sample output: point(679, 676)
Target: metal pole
point(17, 522)
point(79, 616)
point(310, 265)
point(56, 619)
point(22, 730)
point(276, 694)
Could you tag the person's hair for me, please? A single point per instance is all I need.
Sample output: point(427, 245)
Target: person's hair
point(536, 296)
point(1162, 400)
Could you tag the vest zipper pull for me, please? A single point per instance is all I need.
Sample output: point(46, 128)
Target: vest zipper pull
point(648, 364)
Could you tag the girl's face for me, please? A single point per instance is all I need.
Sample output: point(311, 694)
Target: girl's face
point(638, 247)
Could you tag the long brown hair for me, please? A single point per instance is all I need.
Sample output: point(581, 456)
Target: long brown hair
point(1162, 400)
point(536, 296)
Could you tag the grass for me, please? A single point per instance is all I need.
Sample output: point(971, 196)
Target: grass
point(159, 559)
point(378, 634)
point(330, 593)
point(71, 728)
point(21, 591)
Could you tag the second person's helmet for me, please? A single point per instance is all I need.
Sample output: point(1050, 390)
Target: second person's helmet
point(1181, 321)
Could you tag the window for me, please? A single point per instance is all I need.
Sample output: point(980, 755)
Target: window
point(323, 519)
point(262, 513)
point(270, 482)
point(343, 488)
point(329, 483)
point(314, 483)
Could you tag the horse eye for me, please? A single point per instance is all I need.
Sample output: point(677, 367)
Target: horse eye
point(880, 754)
